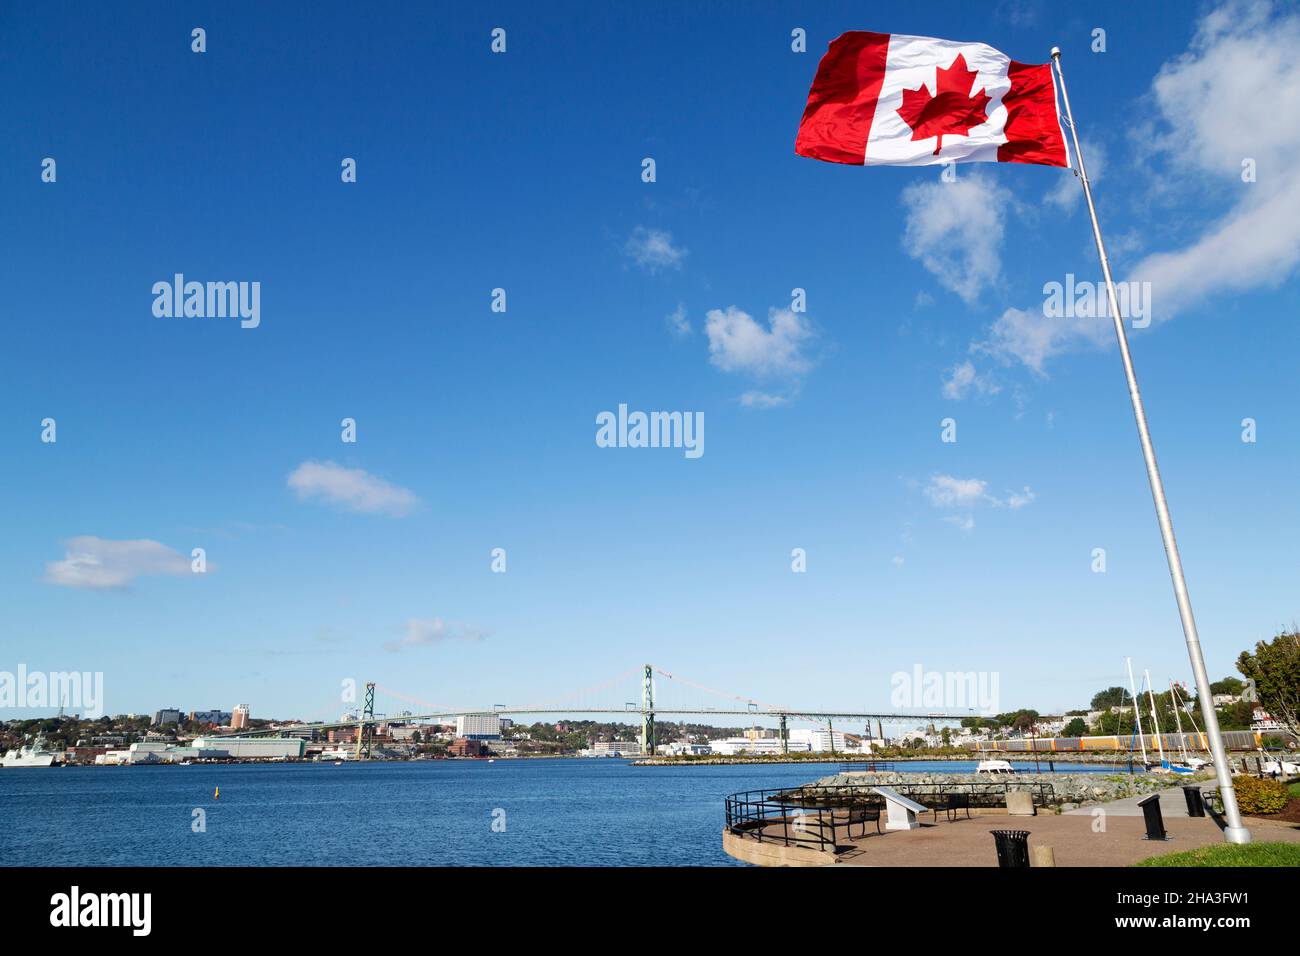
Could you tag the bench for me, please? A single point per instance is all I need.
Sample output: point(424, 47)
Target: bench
point(954, 802)
point(949, 803)
point(861, 815)
point(902, 810)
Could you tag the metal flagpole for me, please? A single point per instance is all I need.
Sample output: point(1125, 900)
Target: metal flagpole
point(1234, 832)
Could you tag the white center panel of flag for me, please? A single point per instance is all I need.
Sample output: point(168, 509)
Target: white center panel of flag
point(914, 62)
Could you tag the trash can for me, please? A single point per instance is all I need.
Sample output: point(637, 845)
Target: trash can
point(1195, 801)
point(1154, 821)
point(1012, 846)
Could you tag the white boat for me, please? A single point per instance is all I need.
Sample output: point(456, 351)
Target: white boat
point(32, 755)
point(994, 766)
point(1278, 765)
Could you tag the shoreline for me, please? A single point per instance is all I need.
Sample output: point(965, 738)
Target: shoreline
point(867, 762)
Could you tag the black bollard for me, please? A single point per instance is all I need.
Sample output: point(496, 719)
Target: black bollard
point(1195, 802)
point(1151, 813)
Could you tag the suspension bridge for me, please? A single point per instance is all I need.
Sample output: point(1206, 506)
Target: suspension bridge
point(647, 709)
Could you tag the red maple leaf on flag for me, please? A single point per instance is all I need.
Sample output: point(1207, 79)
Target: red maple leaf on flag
point(953, 109)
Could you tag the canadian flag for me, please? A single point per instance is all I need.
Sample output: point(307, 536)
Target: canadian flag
point(883, 99)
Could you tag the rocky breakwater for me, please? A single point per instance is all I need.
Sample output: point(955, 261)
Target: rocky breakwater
point(1068, 790)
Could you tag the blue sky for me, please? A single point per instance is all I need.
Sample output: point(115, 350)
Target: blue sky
point(476, 429)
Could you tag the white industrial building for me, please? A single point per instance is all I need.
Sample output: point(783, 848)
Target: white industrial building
point(679, 748)
point(819, 740)
point(731, 746)
point(245, 748)
point(611, 748)
point(478, 726)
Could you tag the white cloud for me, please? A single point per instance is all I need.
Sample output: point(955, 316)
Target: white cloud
point(1217, 104)
point(945, 491)
point(1017, 500)
point(1032, 338)
point(757, 399)
point(1068, 192)
point(1233, 95)
point(963, 380)
point(350, 488)
point(737, 343)
point(100, 564)
point(653, 249)
point(422, 632)
point(955, 231)
point(678, 324)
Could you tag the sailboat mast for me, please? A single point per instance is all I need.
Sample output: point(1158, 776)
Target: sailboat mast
point(1173, 697)
point(1155, 721)
point(1137, 709)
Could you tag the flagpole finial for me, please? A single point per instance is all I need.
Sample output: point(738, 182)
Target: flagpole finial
point(1056, 52)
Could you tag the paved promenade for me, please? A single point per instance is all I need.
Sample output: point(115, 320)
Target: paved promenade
point(1110, 834)
point(1075, 840)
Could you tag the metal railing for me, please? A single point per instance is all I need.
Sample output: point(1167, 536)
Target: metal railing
point(867, 765)
point(991, 793)
point(792, 818)
point(811, 816)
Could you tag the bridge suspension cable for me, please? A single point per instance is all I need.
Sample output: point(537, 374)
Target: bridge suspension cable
point(715, 691)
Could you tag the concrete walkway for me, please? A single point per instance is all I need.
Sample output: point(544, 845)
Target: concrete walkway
point(1172, 805)
point(1075, 841)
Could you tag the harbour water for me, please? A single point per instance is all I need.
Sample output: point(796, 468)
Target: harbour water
point(417, 813)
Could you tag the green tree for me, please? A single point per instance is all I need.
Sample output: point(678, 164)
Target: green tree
point(1077, 727)
point(1275, 669)
point(1108, 698)
point(1229, 685)
point(1236, 716)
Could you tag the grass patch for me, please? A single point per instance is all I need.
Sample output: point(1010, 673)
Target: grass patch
point(1231, 854)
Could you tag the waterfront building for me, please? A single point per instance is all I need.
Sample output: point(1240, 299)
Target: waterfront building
point(610, 748)
point(239, 717)
point(819, 739)
point(732, 746)
point(478, 726)
point(465, 747)
point(681, 748)
point(302, 733)
point(248, 747)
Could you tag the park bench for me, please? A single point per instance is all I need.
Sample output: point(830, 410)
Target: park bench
point(861, 815)
point(953, 803)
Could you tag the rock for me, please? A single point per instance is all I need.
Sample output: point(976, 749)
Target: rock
point(1067, 789)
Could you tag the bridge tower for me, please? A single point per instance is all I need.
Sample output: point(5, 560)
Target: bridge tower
point(784, 734)
point(367, 714)
point(648, 711)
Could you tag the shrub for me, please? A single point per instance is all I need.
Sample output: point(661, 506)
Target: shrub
point(1257, 797)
